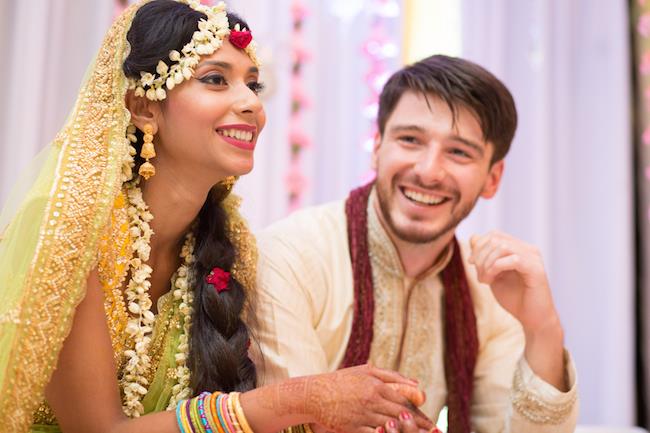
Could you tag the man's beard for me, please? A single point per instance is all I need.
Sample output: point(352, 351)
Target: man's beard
point(427, 235)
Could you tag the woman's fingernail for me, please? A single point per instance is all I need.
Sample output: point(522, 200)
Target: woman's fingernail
point(405, 416)
point(392, 423)
point(380, 429)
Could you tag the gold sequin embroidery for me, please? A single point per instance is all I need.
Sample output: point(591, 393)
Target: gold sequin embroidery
point(534, 408)
point(86, 179)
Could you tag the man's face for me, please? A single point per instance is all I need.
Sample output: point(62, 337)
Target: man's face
point(430, 169)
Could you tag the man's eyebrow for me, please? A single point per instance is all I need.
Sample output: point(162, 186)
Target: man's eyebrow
point(227, 66)
point(480, 149)
point(406, 128)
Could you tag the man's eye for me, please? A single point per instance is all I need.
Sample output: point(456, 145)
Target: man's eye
point(460, 152)
point(214, 79)
point(408, 139)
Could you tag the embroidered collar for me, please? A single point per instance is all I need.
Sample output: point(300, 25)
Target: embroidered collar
point(383, 252)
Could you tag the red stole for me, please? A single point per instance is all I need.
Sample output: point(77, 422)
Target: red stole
point(460, 335)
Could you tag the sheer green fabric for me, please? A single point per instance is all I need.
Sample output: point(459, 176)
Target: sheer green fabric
point(160, 390)
point(51, 241)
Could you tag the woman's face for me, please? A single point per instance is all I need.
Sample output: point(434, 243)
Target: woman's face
point(208, 126)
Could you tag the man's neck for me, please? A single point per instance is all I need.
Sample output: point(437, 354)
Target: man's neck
point(416, 259)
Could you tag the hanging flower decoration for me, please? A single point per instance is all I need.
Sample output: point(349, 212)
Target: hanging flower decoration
point(382, 53)
point(295, 180)
point(642, 60)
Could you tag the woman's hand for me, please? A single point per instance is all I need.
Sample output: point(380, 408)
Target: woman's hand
point(405, 424)
point(358, 399)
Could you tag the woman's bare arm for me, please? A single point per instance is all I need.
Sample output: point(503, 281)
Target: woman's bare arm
point(85, 395)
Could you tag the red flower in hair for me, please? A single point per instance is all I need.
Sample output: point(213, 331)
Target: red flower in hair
point(240, 39)
point(219, 279)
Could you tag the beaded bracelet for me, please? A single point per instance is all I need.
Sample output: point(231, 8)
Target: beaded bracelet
point(201, 409)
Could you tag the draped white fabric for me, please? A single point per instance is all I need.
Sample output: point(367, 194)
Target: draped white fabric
point(568, 178)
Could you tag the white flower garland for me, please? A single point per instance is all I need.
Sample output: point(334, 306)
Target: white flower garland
point(182, 293)
point(140, 325)
point(205, 41)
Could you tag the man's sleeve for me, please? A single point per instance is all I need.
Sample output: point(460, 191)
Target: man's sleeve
point(508, 395)
point(286, 314)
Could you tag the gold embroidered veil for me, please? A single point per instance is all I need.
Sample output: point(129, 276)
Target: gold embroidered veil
point(50, 244)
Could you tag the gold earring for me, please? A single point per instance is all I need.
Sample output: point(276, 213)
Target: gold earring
point(147, 169)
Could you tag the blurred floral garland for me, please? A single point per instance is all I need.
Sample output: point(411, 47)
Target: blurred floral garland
point(296, 181)
point(381, 51)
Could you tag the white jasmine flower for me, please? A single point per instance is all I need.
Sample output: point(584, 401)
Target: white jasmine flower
point(162, 67)
point(174, 56)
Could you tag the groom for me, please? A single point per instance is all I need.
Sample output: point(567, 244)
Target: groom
point(381, 278)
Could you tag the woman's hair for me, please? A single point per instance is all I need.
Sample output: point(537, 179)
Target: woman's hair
point(219, 338)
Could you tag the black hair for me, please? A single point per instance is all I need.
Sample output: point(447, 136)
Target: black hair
point(219, 338)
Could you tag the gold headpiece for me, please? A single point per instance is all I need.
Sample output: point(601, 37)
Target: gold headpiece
point(205, 41)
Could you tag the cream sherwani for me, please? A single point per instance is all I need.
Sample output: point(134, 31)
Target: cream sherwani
point(306, 308)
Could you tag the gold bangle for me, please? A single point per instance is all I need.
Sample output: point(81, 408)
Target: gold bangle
point(232, 415)
point(239, 412)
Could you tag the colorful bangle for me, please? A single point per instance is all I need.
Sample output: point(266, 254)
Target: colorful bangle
point(210, 410)
point(226, 414)
point(196, 418)
point(220, 414)
point(188, 415)
point(233, 416)
point(179, 417)
point(201, 409)
point(239, 413)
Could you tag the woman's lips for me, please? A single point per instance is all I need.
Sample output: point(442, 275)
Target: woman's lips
point(242, 136)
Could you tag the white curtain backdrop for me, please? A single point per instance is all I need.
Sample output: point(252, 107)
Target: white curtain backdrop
point(568, 178)
point(46, 47)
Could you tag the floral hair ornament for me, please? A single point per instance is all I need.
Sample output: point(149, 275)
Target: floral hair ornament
point(240, 37)
point(205, 41)
point(219, 279)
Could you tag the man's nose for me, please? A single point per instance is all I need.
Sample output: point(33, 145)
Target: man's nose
point(430, 166)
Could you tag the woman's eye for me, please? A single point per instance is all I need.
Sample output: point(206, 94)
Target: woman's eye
point(216, 79)
point(256, 87)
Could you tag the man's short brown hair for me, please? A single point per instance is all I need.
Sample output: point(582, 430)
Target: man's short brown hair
point(460, 83)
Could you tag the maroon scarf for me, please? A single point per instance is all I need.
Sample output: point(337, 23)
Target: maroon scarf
point(461, 341)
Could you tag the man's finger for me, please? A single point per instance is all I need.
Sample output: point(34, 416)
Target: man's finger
point(389, 376)
point(413, 394)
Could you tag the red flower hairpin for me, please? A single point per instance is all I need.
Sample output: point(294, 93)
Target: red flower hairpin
point(240, 39)
point(219, 279)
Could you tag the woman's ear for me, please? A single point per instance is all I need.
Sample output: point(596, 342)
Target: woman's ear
point(143, 111)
